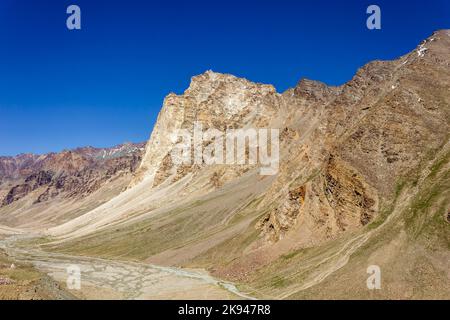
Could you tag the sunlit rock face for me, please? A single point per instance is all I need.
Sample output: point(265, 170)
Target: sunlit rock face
point(343, 147)
point(215, 100)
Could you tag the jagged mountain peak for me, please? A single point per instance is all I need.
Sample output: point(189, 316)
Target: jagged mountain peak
point(209, 83)
point(312, 89)
point(211, 76)
point(216, 100)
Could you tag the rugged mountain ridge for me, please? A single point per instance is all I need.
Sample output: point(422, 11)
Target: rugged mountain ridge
point(70, 174)
point(218, 101)
point(12, 167)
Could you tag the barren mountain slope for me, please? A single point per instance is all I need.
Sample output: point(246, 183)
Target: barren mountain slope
point(44, 190)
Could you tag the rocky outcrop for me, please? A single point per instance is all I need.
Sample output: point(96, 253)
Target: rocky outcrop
point(352, 200)
point(218, 101)
point(278, 222)
point(31, 183)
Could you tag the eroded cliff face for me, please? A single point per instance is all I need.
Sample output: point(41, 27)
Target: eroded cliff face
point(358, 140)
point(218, 101)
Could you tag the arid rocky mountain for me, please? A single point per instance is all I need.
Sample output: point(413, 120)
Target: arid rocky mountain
point(70, 174)
point(20, 166)
point(363, 179)
point(218, 101)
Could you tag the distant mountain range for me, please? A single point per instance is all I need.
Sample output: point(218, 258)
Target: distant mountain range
point(69, 173)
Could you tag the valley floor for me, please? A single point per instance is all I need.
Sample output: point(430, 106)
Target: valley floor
point(22, 281)
point(108, 279)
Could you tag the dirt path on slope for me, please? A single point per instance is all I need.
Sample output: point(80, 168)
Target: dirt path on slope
point(337, 260)
point(107, 279)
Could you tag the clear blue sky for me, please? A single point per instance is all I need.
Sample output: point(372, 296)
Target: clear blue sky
point(105, 84)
